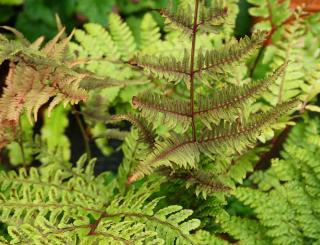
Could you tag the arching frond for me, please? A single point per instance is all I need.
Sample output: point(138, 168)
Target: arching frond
point(227, 103)
point(170, 111)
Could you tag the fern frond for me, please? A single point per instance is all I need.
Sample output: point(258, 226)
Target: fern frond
point(216, 61)
point(180, 18)
point(149, 33)
point(227, 138)
point(181, 151)
point(170, 111)
point(146, 132)
point(212, 18)
point(122, 36)
point(66, 206)
point(224, 139)
point(165, 67)
point(227, 103)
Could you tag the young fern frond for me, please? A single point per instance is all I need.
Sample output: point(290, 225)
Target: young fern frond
point(172, 112)
point(216, 61)
point(224, 139)
point(227, 103)
point(165, 67)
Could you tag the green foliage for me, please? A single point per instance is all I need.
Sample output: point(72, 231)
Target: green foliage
point(286, 200)
point(231, 133)
point(289, 41)
point(189, 173)
point(63, 205)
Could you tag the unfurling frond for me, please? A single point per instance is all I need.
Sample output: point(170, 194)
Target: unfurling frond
point(171, 111)
point(214, 17)
point(180, 18)
point(227, 104)
point(165, 67)
point(146, 133)
point(216, 61)
point(224, 139)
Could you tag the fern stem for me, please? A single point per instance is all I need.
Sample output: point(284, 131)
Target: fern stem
point(20, 142)
point(192, 73)
point(84, 134)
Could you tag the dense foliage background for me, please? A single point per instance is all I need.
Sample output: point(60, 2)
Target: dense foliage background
point(267, 194)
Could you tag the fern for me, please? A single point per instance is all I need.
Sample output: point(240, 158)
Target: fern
point(223, 140)
point(284, 203)
point(228, 132)
point(173, 111)
point(34, 77)
point(56, 206)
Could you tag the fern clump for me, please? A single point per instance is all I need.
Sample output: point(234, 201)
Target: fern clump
point(62, 204)
point(285, 202)
point(218, 124)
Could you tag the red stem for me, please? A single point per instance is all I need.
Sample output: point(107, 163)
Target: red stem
point(192, 72)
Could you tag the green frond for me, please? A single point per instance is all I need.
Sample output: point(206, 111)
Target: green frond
point(217, 61)
point(283, 200)
point(204, 238)
point(72, 205)
point(166, 67)
point(132, 150)
point(248, 231)
point(173, 221)
point(149, 33)
point(228, 103)
point(170, 111)
point(122, 36)
point(146, 133)
point(181, 18)
point(212, 18)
